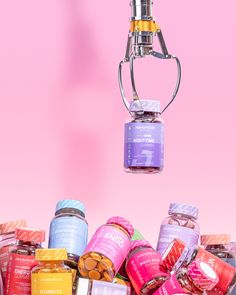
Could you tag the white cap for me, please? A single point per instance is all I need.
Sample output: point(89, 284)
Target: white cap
point(145, 105)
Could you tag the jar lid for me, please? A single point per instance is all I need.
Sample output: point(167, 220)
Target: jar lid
point(11, 226)
point(137, 235)
point(181, 208)
point(30, 235)
point(122, 222)
point(203, 276)
point(74, 204)
point(172, 254)
point(51, 254)
point(139, 243)
point(145, 105)
point(215, 239)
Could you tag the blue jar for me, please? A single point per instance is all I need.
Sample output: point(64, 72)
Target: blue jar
point(69, 229)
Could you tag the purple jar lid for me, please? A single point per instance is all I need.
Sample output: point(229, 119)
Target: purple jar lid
point(145, 105)
point(176, 208)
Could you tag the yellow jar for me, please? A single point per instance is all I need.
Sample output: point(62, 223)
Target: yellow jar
point(51, 276)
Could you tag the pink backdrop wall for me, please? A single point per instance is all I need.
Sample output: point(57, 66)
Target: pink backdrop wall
point(61, 115)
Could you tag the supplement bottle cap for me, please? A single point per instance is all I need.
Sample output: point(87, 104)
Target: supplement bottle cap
point(122, 222)
point(11, 226)
point(203, 275)
point(172, 254)
point(51, 254)
point(74, 204)
point(215, 239)
point(30, 235)
point(176, 208)
point(145, 105)
point(137, 235)
point(139, 243)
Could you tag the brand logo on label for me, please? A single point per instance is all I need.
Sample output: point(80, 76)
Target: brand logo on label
point(116, 239)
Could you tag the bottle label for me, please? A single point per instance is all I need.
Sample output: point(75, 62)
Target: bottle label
point(144, 266)
point(111, 242)
point(169, 232)
point(51, 283)
point(225, 271)
point(171, 286)
point(18, 278)
point(101, 288)
point(4, 258)
point(144, 145)
point(69, 232)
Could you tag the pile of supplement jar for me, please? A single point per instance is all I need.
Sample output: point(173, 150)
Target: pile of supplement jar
point(117, 260)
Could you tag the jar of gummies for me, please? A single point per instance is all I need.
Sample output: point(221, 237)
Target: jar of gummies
point(176, 257)
point(180, 224)
point(69, 229)
point(219, 245)
point(22, 260)
point(197, 279)
point(143, 268)
point(144, 138)
point(7, 241)
point(107, 250)
point(51, 275)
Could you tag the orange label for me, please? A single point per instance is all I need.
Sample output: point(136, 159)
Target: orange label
point(51, 283)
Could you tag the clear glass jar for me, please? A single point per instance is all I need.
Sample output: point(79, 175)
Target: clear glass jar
point(197, 279)
point(176, 257)
point(88, 287)
point(7, 242)
point(51, 275)
point(107, 250)
point(69, 229)
point(180, 224)
point(143, 268)
point(144, 138)
point(22, 260)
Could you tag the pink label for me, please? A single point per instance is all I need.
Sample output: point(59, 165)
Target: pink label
point(111, 242)
point(171, 286)
point(143, 267)
point(4, 257)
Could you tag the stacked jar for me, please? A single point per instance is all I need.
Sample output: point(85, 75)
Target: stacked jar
point(107, 250)
point(22, 260)
point(176, 257)
point(180, 224)
point(7, 241)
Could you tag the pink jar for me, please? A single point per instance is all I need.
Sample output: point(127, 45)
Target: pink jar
point(107, 250)
point(143, 268)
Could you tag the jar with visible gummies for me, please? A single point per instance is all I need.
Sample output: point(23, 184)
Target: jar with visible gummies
point(176, 255)
point(7, 241)
point(22, 260)
point(144, 138)
point(219, 246)
point(197, 279)
point(180, 224)
point(143, 268)
point(51, 275)
point(69, 229)
point(107, 250)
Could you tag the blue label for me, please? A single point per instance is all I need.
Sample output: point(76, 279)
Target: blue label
point(69, 232)
point(144, 145)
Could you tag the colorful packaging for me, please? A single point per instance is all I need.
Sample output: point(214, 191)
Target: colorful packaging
point(88, 287)
point(51, 276)
point(22, 260)
point(180, 224)
point(198, 278)
point(107, 250)
point(143, 268)
point(69, 229)
point(225, 272)
point(144, 138)
point(7, 241)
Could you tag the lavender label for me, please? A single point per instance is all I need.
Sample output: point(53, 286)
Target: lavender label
point(144, 145)
point(169, 232)
point(101, 288)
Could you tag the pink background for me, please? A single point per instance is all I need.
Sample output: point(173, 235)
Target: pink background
point(61, 114)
